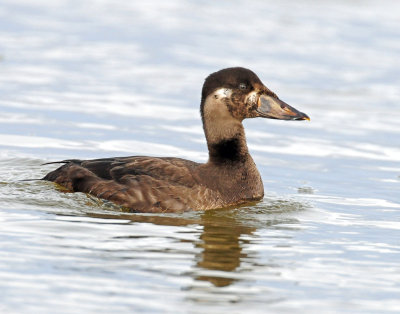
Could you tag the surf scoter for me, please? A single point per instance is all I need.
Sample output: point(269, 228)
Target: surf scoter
point(168, 184)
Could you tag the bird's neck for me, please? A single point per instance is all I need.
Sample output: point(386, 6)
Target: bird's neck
point(226, 140)
point(230, 168)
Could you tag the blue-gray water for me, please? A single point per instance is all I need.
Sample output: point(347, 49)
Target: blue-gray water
point(90, 79)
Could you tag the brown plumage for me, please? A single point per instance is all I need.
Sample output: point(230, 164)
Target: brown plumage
point(167, 184)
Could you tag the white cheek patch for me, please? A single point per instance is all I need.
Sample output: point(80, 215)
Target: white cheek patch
point(222, 93)
point(252, 98)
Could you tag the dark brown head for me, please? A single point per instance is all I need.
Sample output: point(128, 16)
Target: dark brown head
point(240, 94)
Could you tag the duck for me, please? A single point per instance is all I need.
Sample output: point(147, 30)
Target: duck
point(169, 184)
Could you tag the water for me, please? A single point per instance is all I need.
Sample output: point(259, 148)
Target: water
point(95, 79)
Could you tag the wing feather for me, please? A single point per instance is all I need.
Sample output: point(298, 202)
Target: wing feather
point(139, 183)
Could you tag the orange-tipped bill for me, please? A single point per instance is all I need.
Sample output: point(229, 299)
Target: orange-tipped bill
point(274, 108)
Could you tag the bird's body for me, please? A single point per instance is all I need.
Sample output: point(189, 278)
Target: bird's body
point(151, 184)
point(167, 184)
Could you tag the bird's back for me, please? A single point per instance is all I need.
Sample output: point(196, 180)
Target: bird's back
point(140, 183)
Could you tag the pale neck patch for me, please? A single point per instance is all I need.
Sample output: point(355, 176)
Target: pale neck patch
point(222, 93)
point(219, 124)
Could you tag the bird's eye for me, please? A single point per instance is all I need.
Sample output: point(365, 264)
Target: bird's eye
point(242, 86)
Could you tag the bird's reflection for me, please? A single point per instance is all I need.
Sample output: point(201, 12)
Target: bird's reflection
point(222, 246)
point(223, 240)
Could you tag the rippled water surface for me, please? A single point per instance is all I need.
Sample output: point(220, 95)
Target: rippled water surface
point(91, 79)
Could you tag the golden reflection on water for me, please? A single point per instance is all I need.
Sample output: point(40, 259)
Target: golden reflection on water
point(221, 238)
point(222, 246)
